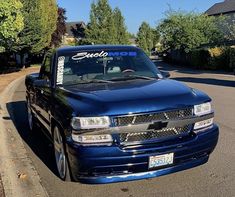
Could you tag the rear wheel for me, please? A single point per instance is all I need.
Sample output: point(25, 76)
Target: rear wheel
point(60, 155)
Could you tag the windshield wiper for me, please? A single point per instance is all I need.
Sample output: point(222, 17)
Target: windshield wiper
point(130, 77)
point(142, 77)
point(100, 81)
point(89, 81)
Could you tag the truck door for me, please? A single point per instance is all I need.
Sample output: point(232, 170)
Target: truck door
point(43, 93)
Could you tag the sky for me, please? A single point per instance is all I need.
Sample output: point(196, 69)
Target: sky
point(135, 11)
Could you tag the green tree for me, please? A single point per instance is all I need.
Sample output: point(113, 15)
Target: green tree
point(40, 18)
point(227, 27)
point(11, 21)
point(101, 29)
point(131, 35)
point(156, 37)
point(231, 32)
point(187, 31)
point(50, 12)
point(121, 34)
point(60, 31)
point(146, 37)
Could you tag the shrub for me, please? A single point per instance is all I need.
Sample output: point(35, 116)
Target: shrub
point(216, 52)
point(199, 58)
point(219, 58)
point(232, 58)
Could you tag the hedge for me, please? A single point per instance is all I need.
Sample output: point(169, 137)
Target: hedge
point(232, 58)
point(217, 58)
point(199, 58)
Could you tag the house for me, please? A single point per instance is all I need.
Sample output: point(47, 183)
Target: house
point(132, 41)
point(74, 32)
point(227, 9)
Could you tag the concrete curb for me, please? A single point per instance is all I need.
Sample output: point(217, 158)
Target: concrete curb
point(19, 176)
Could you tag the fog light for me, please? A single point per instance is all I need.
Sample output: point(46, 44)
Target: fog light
point(203, 124)
point(92, 139)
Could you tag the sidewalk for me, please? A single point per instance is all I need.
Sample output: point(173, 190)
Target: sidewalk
point(5, 80)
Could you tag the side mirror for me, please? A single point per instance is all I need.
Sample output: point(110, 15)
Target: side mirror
point(165, 74)
point(40, 83)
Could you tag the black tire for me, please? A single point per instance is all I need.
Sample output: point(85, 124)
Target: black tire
point(61, 159)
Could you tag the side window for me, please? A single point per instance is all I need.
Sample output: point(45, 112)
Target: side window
point(46, 68)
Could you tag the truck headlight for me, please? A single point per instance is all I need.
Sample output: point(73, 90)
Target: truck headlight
point(93, 139)
point(78, 123)
point(202, 109)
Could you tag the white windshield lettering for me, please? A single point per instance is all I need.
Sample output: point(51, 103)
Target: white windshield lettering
point(80, 56)
point(60, 70)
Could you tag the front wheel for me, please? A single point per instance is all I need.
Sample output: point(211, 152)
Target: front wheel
point(60, 155)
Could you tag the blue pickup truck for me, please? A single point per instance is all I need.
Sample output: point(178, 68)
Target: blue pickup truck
point(113, 116)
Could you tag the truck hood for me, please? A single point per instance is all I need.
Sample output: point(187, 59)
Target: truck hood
point(137, 96)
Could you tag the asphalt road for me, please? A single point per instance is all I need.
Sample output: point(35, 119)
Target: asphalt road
point(216, 178)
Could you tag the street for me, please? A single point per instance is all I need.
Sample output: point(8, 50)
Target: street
point(216, 178)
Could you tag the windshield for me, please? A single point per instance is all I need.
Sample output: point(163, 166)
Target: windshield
point(104, 66)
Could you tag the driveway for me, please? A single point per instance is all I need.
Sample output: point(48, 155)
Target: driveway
point(216, 178)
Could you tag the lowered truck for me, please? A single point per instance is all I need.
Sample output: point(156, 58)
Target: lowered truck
point(113, 116)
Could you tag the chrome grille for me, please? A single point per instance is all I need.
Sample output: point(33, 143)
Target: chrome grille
point(148, 118)
point(153, 134)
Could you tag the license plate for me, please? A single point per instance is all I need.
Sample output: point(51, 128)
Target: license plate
point(161, 160)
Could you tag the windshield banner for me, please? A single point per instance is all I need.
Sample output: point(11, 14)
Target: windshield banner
point(102, 54)
point(60, 70)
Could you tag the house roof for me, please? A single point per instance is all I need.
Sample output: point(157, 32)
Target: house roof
point(228, 6)
point(71, 25)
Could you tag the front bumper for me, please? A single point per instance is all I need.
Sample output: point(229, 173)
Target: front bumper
point(116, 163)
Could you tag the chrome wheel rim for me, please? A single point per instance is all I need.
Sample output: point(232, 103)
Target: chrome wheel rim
point(59, 153)
point(30, 116)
